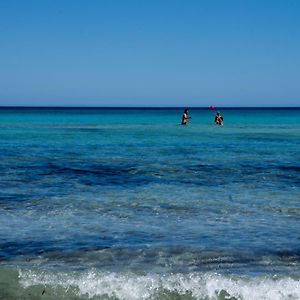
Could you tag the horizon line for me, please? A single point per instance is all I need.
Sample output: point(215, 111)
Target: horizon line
point(143, 107)
point(146, 107)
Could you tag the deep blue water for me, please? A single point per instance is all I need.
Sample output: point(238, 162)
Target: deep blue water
point(144, 207)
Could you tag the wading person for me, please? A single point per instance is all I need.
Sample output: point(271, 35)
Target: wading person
point(185, 117)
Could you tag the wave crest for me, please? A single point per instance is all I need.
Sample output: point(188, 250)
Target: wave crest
point(129, 286)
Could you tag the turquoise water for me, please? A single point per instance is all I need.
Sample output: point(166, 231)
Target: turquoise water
point(128, 204)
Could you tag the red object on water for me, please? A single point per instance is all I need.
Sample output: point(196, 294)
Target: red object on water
point(212, 107)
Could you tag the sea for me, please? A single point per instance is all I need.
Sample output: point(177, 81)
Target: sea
point(126, 203)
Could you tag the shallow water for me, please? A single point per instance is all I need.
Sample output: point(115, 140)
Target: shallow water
point(128, 204)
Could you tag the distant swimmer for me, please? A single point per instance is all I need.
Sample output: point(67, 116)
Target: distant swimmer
point(185, 117)
point(219, 119)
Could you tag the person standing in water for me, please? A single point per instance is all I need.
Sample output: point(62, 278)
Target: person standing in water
point(219, 119)
point(185, 117)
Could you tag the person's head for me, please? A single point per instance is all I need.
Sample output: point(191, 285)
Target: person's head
point(186, 111)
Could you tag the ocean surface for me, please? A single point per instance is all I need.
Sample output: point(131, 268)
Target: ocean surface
point(128, 204)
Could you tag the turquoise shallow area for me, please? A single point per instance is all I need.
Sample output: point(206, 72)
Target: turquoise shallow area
point(130, 195)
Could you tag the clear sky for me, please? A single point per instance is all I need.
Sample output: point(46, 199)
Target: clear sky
point(150, 53)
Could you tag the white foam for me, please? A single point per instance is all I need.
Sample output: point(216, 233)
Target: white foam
point(133, 287)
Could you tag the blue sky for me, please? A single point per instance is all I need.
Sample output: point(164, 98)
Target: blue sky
point(150, 53)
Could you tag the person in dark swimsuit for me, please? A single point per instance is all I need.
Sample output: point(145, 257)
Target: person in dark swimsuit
point(219, 119)
point(185, 117)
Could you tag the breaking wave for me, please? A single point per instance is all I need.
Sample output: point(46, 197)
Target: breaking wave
point(94, 284)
